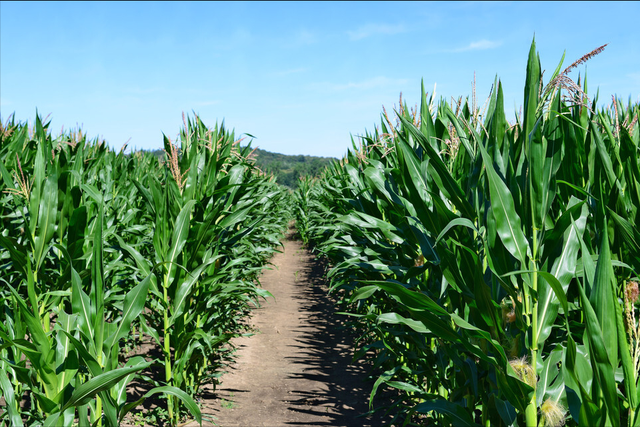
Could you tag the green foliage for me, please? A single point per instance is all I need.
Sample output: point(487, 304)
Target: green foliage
point(96, 245)
point(287, 169)
point(485, 263)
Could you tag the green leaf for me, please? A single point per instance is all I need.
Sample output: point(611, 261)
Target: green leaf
point(184, 289)
point(65, 358)
point(8, 393)
point(507, 218)
point(363, 292)
point(134, 302)
point(455, 222)
point(427, 246)
point(17, 252)
point(52, 420)
point(47, 214)
point(497, 127)
point(548, 373)
point(141, 262)
point(458, 415)
point(120, 389)
point(43, 356)
point(235, 217)
point(603, 299)
point(87, 391)
point(602, 365)
point(172, 391)
point(83, 352)
point(438, 170)
point(81, 305)
point(404, 386)
point(531, 91)
point(552, 290)
point(395, 318)
point(178, 239)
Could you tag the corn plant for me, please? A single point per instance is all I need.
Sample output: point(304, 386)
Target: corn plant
point(56, 273)
point(216, 221)
point(484, 261)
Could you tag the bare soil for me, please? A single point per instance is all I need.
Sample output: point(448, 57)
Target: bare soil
point(296, 370)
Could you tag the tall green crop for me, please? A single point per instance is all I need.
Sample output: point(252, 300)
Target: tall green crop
point(59, 284)
point(486, 262)
point(216, 221)
point(95, 244)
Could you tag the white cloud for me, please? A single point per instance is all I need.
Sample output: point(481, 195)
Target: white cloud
point(375, 29)
point(483, 44)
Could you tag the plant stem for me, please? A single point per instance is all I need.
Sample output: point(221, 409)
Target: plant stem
point(167, 350)
point(531, 412)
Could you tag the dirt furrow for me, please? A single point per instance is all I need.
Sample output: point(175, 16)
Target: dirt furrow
point(296, 370)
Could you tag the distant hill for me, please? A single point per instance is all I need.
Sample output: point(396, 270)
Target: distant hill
point(287, 168)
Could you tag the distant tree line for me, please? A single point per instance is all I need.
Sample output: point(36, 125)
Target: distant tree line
point(287, 168)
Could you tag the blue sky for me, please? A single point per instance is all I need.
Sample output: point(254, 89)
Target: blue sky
point(301, 77)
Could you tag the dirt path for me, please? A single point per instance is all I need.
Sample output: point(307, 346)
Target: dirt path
point(296, 370)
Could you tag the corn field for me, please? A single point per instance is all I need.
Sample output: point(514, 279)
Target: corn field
point(491, 268)
point(101, 248)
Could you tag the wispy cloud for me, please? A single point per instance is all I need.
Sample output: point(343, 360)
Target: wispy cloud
point(373, 83)
point(483, 44)
point(369, 30)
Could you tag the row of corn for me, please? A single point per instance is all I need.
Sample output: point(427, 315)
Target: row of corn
point(491, 268)
point(100, 250)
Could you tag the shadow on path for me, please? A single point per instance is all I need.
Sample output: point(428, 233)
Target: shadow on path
point(324, 349)
point(297, 370)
